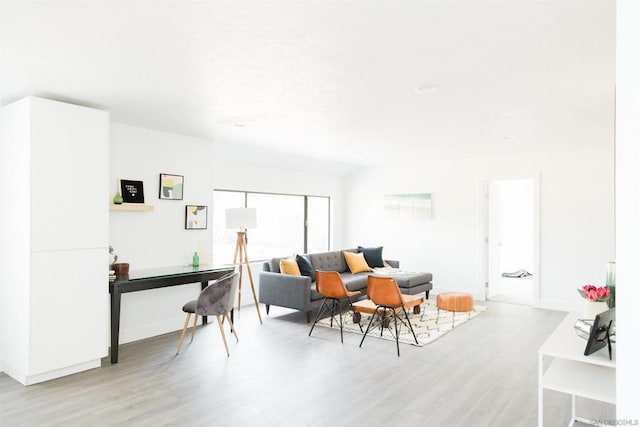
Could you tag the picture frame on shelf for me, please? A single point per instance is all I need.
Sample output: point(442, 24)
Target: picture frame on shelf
point(195, 217)
point(171, 187)
point(132, 191)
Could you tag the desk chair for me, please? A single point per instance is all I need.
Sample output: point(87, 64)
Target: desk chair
point(214, 300)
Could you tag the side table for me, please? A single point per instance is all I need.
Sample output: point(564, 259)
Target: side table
point(592, 377)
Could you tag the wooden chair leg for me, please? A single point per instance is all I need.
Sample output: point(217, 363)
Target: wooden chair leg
point(233, 328)
point(193, 331)
point(222, 333)
point(184, 331)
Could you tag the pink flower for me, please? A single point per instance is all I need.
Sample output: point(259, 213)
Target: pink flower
point(602, 292)
point(594, 293)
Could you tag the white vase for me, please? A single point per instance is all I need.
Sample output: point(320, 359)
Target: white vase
point(592, 308)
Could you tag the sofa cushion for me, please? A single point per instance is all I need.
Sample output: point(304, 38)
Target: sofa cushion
point(356, 262)
point(328, 261)
point(274, 265)
point(289, 266)
point(355, 282)
point(410, 280)
point(306, 269)
point(373, 256)
point(315, 295)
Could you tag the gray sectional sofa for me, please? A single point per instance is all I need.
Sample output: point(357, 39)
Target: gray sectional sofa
point(299, 292)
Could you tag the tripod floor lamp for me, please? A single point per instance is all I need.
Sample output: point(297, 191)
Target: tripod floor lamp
point(240, 219)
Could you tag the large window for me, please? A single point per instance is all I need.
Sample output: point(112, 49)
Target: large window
point(287, 224)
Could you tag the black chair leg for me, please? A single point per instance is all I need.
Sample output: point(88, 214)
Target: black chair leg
point(341, 325)
point(336, 308)
point(333, 312)
point(353, 310)
point(320, 311)
point(395, 322)
point(406, 316)
point(368, 326)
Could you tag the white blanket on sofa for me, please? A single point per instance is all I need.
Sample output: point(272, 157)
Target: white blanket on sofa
point(390, 271)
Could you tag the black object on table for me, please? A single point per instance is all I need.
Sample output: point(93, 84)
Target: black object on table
point(153, 279)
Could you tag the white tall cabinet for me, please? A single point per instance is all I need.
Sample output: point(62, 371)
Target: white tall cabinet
point(54, 233)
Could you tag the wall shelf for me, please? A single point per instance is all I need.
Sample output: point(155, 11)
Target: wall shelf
point(140, 207)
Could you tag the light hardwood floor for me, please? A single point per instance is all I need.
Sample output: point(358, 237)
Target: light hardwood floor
point(484, 373)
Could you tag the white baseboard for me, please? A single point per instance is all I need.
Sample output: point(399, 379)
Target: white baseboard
point(164, 326)
point(559, 305)
point(545, 303)
point(152, 329)
point(25, 379)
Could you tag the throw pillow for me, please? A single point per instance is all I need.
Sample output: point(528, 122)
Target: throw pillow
point(373, 256)
point(306, 269)
point(356, 262)
point(289, 266)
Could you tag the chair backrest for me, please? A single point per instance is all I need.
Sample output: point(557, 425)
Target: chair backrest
point(217, 298)
point(384, 291)
point(329, 284)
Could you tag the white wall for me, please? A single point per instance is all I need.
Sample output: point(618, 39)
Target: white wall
point(576, 218)
point(158, 238)
point(627, 210)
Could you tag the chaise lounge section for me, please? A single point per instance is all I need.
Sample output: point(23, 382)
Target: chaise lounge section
point(299, 292)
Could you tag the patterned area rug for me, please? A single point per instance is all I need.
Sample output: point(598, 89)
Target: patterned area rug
point(424, 324)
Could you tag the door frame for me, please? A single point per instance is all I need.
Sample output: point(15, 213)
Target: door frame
point(484, 235)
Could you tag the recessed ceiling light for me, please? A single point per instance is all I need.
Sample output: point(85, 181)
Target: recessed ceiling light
point(426, 89)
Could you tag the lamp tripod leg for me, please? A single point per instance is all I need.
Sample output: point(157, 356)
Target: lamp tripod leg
point(253, 289)
point(237, 260)
point(241, 257)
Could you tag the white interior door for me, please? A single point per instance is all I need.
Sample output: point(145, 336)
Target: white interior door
point(511, 240)
point(494, 239)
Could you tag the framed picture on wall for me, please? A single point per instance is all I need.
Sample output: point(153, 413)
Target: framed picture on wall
point(171, 186)
point(195, 217)
point(407, 206)
point(132, 191)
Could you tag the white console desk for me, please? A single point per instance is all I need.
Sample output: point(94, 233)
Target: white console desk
point(592, 377)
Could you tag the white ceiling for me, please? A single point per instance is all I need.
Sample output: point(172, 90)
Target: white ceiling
point(334, 81)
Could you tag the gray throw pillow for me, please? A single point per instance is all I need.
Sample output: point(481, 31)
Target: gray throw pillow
point(306, 269)
point(373, 256)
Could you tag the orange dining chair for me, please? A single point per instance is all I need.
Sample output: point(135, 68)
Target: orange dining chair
point(214, 300)
point(385, 294)
point(329, 284)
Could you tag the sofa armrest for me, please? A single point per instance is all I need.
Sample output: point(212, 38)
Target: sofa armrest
point(285, 290)
point(392, 263)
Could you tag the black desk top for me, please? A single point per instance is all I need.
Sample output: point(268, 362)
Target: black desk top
point(170, 271)
point(167, 276)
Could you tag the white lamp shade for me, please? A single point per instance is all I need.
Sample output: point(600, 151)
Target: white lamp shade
point(241, 218)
